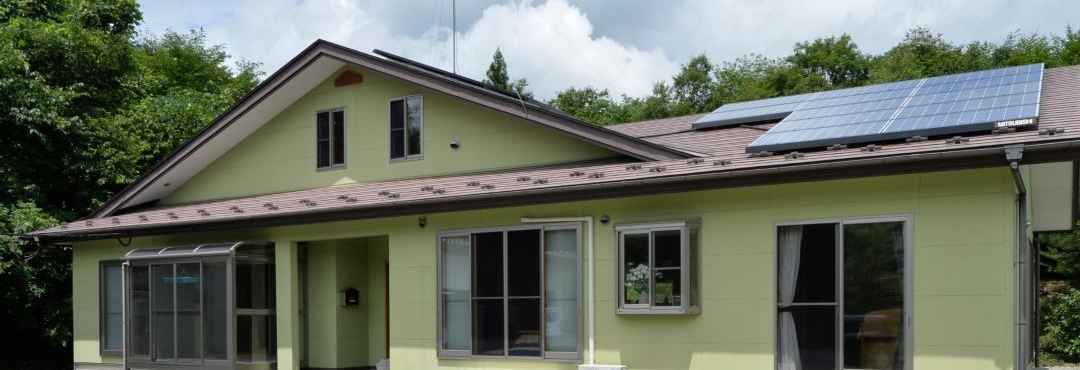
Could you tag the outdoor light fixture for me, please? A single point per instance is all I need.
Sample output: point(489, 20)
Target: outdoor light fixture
point(604, 219)
point(455, 144)
point(422, 221)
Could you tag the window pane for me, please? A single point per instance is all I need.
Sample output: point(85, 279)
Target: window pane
point(636, 268)
point(397, 114)
point(215, 303)
point(254, 285)
point(397, 144)
point(255, 338)
point(488, 266)
point(339, 137)
point(456, 321)
point(322, 126)
point(524, 327)
point(808, 337)
point(523, 259)
point(668, 248)
point(140, 311)
point(874, 295)
point(668, 287)
point(322, 153)
point(814, 263)
point(188, 301)
point(489, 327)
point(561, 290)
point(112, 290)
point(414, 117)
point(164, 324)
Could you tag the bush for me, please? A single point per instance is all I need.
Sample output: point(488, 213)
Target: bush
point(1061, 325)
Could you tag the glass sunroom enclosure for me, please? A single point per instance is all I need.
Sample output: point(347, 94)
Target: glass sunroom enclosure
point(209, 306)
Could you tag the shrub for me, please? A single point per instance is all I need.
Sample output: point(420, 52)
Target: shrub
point(1061, 325)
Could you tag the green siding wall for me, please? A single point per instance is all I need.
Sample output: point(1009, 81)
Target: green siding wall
point(963, 240)
point(280, 156)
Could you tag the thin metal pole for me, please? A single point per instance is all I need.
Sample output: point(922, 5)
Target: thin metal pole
point(453, 34)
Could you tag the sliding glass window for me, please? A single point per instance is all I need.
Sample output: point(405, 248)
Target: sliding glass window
point(842, 295)
point(510, 292)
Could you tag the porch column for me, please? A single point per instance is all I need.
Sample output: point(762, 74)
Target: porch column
point(288, 304)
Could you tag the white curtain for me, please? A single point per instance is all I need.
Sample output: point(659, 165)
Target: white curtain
point(790, 250)
point(457, 316)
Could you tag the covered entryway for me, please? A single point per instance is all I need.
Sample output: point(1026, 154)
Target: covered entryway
point(343, 303)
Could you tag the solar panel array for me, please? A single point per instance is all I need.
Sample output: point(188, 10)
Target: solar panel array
point(945, 105)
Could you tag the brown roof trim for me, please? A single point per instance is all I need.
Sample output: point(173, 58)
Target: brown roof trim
point(609, 139)
point(982, 157)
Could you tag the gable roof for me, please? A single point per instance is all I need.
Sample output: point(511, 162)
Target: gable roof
point(312, 66)
point(1058, 139)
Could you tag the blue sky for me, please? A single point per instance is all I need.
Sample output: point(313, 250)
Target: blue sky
point(622, 46)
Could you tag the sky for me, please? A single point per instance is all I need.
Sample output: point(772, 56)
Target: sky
point(621, 46)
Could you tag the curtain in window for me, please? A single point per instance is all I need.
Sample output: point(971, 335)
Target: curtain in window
point(456, 269)
point(560, 272)
point(790, 238)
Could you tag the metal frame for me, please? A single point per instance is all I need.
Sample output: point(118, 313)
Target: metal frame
point(405, 128)
point(687, 230)
point(908, 290)
point(230, 361)
point(345, 142)
point(103, 302)
point(542, 228)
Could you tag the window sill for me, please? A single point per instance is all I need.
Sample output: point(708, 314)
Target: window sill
point(407, 159)
point(331, 168)
point(688, 311)
point(449, 357)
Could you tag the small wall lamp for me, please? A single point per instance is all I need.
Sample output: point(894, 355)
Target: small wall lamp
point(421, 221)
point(604, 219)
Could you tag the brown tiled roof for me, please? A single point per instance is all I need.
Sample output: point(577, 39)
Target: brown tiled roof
point(662, 126)
point(1057, 138)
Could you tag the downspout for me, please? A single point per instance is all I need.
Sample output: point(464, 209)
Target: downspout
point(1014, 153)
point(590, 295)
point(123, 315)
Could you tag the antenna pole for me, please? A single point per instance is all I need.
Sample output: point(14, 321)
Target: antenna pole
point(453, 34)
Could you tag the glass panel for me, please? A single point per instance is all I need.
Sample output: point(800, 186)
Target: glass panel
point(339, 137)
point(668, 248)
point(815, 264)
point(561, 290)
point(322, 139)
point(255, 338)
point(523, 263)
point(636, 268)
point(874, 295)
point(414, 116)
point(140, 311)
point(488, 267)
point(112, 308)
point(668, 287)
point(254, 285)
point(215, 298)
point(163, 311)
point(811, 340)
point(397, 114)
point(397, 144)
point(524, 327)
point(489, 330)
point(322, 153)
point(456, 322)
point(188, 302)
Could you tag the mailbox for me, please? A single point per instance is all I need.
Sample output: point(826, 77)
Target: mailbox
point(351, 297)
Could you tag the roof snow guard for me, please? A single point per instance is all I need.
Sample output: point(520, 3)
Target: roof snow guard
point(937, 106)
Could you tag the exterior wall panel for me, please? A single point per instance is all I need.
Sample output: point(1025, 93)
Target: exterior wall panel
point(963, 294)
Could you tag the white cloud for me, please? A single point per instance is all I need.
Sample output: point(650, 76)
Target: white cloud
point(615, 44)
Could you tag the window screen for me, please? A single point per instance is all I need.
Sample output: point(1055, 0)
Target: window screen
point(330, 139)
point(406, 127)
point(111, 307)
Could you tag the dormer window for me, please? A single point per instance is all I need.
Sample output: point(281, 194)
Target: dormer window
point(330, 139)
point(406, 127)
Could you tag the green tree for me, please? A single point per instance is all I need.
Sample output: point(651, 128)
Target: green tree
point(836, 60)
point(692, 87)
point(590, 105)
point(499, 78)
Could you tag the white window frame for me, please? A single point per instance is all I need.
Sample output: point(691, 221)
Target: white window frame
point(689, 270)
point(344, 142)
point(545, 355)
point(909, 280)
point(405, 129)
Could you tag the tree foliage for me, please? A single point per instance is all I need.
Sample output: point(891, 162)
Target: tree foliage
point(499, 78)
point(86, 105)
point(824, 63)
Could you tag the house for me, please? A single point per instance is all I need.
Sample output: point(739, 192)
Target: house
point(360, 211)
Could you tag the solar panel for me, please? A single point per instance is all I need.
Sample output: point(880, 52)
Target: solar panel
point(945, 105)
point(751, 111)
